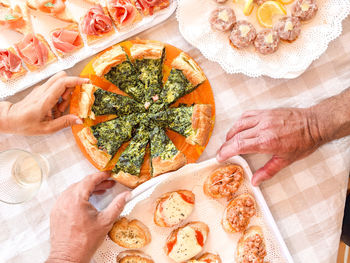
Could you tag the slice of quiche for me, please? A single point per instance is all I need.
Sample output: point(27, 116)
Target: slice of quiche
point(194, 122)
point(95, 101)
point(117, 68)
point(165, 157)
point(184, 77)
point(103, 140)
point(148, 58)
point(128, 168)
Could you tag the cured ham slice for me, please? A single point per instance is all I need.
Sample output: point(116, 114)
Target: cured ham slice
point(55, 8)
point(34, 51)
point(96, 22)
point(66, 40)
point(10, 64)
point(148, 7)
point(17, 19)
point(51, 6)
point(123, 12)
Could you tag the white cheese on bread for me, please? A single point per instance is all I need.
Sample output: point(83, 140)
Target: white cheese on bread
point(175, 209)
point(186, 245)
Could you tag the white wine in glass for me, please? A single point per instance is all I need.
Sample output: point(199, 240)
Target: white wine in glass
point(21, 174)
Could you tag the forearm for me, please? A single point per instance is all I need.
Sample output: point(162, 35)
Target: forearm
point(4, 120)
point(330, 119)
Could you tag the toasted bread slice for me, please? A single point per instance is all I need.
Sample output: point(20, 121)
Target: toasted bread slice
point(130, 234)
point(206, 258)
point(137, 18)
point(187, 241)
point(18, 19)
point(259, 252)
point(147, 11)
point(94, 38)
point(51, 56)
point(224, 181)
point(65, 15)
point(173, 208)
point(244, 202)
point(72, 27)
point(133, 256)
point(22, 71)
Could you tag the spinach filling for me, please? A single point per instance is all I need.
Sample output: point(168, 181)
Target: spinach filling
point(132, 158)
point(112, 134)
point(150, 73)
point(175, 87)
point(161, 145)
point(177, 119)
point(110, 103)
point(124, 76)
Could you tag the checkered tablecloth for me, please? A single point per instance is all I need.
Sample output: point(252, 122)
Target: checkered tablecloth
point(306, 199)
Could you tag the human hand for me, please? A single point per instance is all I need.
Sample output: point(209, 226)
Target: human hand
point(40, 112)
point(77, 229)
point(289, 134)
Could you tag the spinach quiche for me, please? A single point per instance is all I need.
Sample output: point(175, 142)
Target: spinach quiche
point(140, 118)
point(193, 122)
point(165, 156)
point(148, 58)
point(128, 168)
point(96, 102)
point(184, 77)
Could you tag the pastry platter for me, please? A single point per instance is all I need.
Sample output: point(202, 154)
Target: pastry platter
point(190, 152)
point(289, 60)
point(43, 25)
point(210, 211)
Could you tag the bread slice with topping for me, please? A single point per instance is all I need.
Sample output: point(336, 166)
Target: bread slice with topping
point(173, 208)
point(206, 258)
point(130, 234)
point(187, 241)
point(251, 246)
point(133, 256)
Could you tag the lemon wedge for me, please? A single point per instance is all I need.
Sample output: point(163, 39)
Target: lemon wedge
point(248, 7)
point(267, 11)
point(286, 2)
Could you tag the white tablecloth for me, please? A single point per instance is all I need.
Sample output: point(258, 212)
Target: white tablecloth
point(306, 199)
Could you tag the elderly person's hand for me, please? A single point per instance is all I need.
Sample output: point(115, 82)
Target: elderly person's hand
point(76, 227)
point(288, 134)
point(40, 112)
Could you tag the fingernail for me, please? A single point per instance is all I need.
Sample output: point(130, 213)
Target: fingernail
point(255, 182)
point(86, 80)
point(79, 121)
point(127, 196)
point(218, 157)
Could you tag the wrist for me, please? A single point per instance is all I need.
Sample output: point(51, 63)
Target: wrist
point(68, 254)
point(4, 117)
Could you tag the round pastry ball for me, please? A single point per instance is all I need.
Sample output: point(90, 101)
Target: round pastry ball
point(222, 19)
point(242, 34)
point(288, 28)
point(305, 9)
point(266, 41)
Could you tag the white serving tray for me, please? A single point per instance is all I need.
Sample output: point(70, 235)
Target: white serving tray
point(44, 24)
point(210, 211)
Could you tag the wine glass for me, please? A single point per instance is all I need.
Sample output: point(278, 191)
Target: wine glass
point(21, 175)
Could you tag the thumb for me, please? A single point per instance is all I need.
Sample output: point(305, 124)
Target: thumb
point(269, 170)
point(61, 122)
point(113, 210)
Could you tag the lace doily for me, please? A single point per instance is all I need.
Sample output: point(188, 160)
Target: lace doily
point(289, 61)
point(31, 78)
point(191, 177)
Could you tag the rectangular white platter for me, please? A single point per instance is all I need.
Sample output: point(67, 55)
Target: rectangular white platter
point(44, 24)
point(209, 211)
